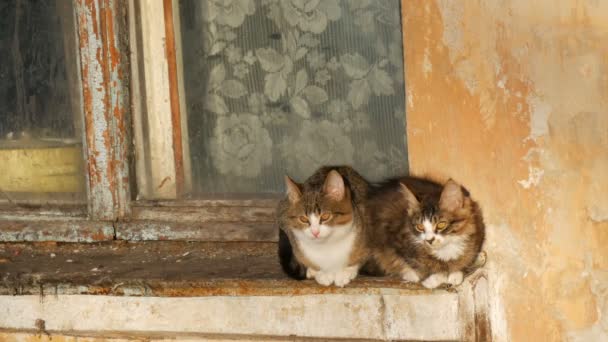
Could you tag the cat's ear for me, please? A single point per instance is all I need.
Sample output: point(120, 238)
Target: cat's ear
point(412, 202)
point(334, 186)
point(452, 197)
point(293, 190)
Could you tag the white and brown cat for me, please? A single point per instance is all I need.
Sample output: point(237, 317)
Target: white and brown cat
point(423, 231)
point(321, 225)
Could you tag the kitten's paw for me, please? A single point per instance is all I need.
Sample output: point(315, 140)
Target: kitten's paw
point(434, 280)
point(345, 276)
point(324, 278)
point(410, 275)
point(455, 278)
point(310, 273)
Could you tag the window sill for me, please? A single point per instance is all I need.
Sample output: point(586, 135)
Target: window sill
point(199, 288)
point(164, 268)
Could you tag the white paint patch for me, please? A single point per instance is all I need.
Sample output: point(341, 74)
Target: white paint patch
point(535, 175)
point(427, 66)
point(451, 249)
point(452, 14)
point(410, 97)
point(501, 84)
point(539, 117)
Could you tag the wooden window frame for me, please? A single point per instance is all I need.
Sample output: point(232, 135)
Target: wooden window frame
point(119, 64)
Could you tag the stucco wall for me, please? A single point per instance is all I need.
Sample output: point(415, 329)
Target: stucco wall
point(511, 99)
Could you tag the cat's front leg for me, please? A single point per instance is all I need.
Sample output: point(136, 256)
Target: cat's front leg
point(347, 274)
point(311, 273)
point(455, 278)
point(409, 274)
point(324, 278)
point(435, 280)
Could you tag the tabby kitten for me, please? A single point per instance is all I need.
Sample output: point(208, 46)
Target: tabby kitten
point(423, 231)
point(321, 232)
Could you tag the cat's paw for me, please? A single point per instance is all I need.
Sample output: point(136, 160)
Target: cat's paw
point(410, 275)
point(434, 280)
point(311, 273)
point(324, 278)
point(455, 278)
point(344, 276)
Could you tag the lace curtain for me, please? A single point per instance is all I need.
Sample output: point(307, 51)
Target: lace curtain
point(278, 87)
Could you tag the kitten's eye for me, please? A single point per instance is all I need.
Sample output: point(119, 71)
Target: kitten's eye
point(325, 216)
point(442, 225)
point(420, 227)
point(303, 219)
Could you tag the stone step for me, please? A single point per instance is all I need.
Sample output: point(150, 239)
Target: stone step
point(167, 290)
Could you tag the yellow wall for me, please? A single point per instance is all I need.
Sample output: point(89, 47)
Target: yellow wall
point(511, 99)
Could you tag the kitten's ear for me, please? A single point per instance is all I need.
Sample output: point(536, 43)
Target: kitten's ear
point(293, 190)
point(452, 197)
point(334, 186)
point(412, 202)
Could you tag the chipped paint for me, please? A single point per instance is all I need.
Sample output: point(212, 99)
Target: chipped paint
point(55, 230)
point(535, 175)
point(105, 101)
point(426, 64)
point(539, 117)
point(515, 108)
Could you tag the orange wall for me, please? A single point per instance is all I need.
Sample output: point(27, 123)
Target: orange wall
point(511, 99)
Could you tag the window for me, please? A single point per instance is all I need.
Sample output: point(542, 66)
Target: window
point(182, 116)
point(40, 107)
point(271, 87)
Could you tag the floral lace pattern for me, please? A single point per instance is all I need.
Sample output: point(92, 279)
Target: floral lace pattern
point(284, 86)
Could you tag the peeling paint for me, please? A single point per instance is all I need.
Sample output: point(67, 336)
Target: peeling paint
point(515, 108)
point(535, 175)
point(105, 101)
point(426, 64)
point(539, 117)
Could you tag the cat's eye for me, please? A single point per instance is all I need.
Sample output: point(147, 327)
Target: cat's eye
point(303, 219)
point(442, 225)
point(325, 216)
point(420, 227)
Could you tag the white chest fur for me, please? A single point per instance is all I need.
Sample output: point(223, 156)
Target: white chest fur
point(452, 249)
point(331, 254)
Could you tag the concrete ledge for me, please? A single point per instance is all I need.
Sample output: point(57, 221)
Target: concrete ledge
point(166, 290)
point(384, 316)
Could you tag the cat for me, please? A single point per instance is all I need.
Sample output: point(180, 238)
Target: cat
point(423, 231)
point(321, 231)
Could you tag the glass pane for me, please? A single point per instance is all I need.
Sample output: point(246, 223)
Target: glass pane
point(40, 115)
point(275, 87)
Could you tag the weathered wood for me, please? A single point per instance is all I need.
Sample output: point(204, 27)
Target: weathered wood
point(41, 212)
point(103, 54)
point(153, 121)
point(176, 121)
point(55, 229)
point(168, 268)
point(197, 231)
point(204, 214)
point(261, 201)
point(183, 109)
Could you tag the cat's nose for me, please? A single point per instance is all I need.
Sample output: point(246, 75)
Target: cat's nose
point(430, 241)
point(316, 233)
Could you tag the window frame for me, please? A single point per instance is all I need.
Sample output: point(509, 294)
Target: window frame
point(105, 108)
point(114, 83)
